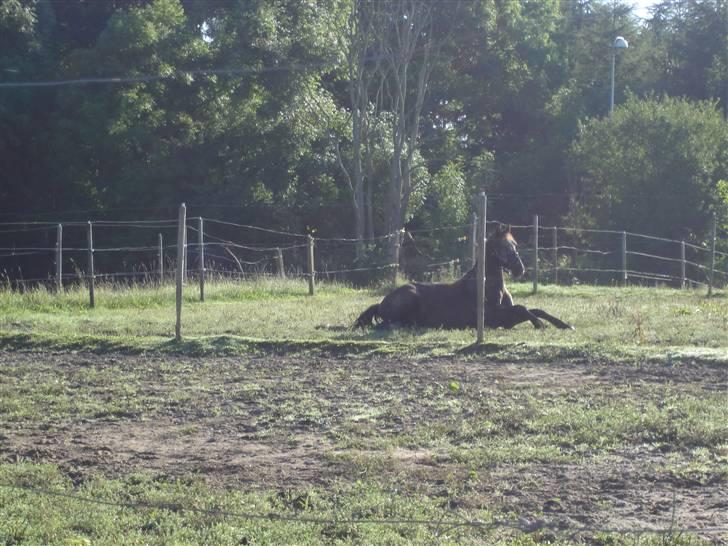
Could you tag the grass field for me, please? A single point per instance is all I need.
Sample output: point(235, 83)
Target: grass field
point(237, 318)
point(273, 423)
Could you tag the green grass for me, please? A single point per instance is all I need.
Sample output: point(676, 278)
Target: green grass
point(407, 424)
point(464, 422)
point(272, 314)
point(141, 510)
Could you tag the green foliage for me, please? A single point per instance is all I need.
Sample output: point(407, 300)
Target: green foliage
point(447, 197)
point(246, 104)
point(653, 162)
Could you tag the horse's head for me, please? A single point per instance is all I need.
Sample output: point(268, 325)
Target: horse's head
point(502, 249)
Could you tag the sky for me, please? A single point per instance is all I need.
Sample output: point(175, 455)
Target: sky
point(642, 7)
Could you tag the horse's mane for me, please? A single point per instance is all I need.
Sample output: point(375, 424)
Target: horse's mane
point(471, 273)
point(507, 235)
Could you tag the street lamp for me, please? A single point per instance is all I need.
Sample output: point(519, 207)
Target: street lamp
point(619, 43)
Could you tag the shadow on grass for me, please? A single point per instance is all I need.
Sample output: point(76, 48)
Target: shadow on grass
point(232, 345)
point(379, 344)
point(26, 342)
point(481, 349)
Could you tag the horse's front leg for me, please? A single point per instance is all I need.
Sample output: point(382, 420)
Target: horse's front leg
point(506, 299)
point(552, 319)
point(508, 317)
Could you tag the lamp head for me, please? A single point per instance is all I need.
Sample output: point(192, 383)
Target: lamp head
point(620, 43)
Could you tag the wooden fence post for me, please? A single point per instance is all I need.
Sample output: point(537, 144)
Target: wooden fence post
point(161, 260)
point(181, 241)
point(474, 240)
point(535, 253)
point(91, 275)
point(201, 244)
point(480, 279)
point(624, 258)
point(555, 241)
point(711, 278)
point(59, 258)
point(279, 261)
point(682, 264)
point(311, 268)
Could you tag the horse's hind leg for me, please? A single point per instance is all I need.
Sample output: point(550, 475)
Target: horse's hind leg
point(552, 319)
point(400, 307)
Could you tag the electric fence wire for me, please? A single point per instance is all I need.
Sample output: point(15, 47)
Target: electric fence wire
point(520, 524)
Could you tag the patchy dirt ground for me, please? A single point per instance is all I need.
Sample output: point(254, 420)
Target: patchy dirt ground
point(284, 423)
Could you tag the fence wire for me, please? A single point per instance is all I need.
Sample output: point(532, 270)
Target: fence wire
point(565, 254)
point(521, 524)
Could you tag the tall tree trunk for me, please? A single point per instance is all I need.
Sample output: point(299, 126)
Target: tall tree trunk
point(407, 37)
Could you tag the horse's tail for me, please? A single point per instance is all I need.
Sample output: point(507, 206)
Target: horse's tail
point(366, 318)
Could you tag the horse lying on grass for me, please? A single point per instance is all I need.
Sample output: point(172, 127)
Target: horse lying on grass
point(453, 305)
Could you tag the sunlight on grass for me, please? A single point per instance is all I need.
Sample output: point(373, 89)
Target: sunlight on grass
point(279, 310)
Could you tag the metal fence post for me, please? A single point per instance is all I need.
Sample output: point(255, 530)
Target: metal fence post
point(59, 258)
point(201, 244)
point(181, 241)
point(311, 268)
point(535, 253)
point(395, 263)
point(91, 276)
point(480, 279)
point(711, 278)
point(161, 259)
point(682, 264)
point(474, 240)
point(624, 258)
point(185, 250)
point(555, 241)
point(279, 260)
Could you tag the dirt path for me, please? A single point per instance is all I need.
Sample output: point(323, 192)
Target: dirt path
point(281, 423)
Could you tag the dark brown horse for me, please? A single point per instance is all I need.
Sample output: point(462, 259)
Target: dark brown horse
point(453, 305)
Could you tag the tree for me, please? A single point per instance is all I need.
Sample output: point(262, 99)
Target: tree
point(391, 52)
point(653, 167)
point(693, 40)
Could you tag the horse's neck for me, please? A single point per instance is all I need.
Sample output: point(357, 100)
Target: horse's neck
point(494, 283)
point(493, 276)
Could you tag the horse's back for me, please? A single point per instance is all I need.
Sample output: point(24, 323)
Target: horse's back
point(446, 305)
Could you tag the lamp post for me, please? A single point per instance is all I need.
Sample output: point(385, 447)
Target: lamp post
point(619, 43)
